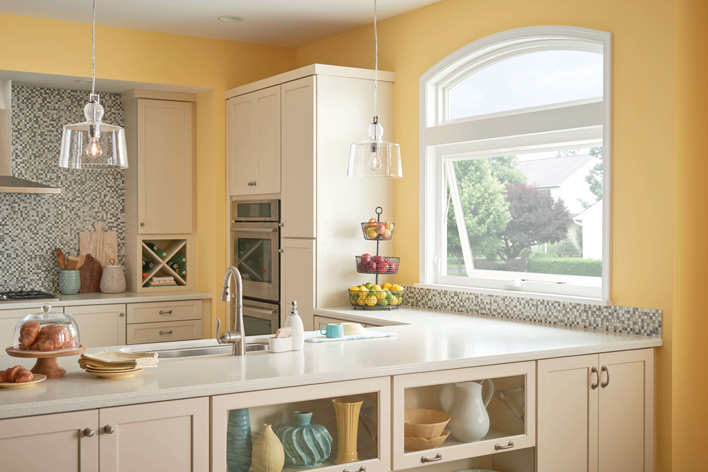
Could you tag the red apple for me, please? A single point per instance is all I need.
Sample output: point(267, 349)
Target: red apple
point(361, 267)
point(382, 267)
point(366, 257)
point(381, 228)
point(392, 267)
point(377, 259)
point(371, 267)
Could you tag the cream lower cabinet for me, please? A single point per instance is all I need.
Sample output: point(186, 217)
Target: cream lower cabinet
point(63, 442)
point(158, 436)
point(99, 325)
point(363, 439)
point(596, 413)
point(511, 422)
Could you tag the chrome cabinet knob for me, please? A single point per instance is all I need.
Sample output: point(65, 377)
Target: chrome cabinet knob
point(121, 314)
point(88, 432)
point(142, 224)
point(108, 429)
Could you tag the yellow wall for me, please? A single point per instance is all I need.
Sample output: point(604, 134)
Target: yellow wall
point(63, 48)
point(690, 412)
point(643, 48)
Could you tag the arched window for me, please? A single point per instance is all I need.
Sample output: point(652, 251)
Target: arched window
point(515, 164)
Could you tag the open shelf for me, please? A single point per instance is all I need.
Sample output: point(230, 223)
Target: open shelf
point(162, 256)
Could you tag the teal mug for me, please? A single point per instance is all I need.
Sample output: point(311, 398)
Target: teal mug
point(333, 330)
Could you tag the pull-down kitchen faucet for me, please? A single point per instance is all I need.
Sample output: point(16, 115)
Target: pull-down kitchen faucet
point(238, 336)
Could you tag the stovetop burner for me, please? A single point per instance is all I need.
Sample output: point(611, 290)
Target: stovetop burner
point(26, 295)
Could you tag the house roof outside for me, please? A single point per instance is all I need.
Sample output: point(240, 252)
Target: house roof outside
point(551, 172)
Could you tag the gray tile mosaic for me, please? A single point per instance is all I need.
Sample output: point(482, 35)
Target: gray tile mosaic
point(31, 226)
point(614, 319)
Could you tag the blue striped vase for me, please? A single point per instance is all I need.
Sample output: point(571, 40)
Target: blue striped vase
point(238, 441)
point(306, 445)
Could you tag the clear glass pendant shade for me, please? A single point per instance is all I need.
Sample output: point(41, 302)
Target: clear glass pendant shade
point(93, 143)
point(375, 157)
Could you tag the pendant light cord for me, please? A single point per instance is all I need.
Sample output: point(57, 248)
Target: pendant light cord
point(93, 51)
point(376, 63)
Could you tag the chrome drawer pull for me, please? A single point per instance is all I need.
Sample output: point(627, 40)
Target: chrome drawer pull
point(168, 312)
point(361, 469)
point(438, 457)
point(499, 447)
point(108, 429)
point(597, 378)
point(607, 371)
point(163, 333)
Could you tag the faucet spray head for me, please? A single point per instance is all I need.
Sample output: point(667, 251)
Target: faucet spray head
point(225, 294)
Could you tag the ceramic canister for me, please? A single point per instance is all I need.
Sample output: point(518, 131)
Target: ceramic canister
point(113, 278)
point(69, 282)
point(306, 445)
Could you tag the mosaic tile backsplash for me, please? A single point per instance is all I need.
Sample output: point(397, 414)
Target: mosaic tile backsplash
point(32, 226)
point(613, 319)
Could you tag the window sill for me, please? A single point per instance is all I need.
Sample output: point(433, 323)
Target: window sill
point(518, 293)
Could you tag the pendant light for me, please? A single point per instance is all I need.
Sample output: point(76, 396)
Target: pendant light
point(375, 157)
point(93, 143)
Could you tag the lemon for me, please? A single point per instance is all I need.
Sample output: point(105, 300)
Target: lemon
point(361, 301)
point(371, 301)
point(381, 295)
point(354, 289)
point(393, 301)
point(377, 288)
point(387, 285)
point(397, 288)
point(363, 289)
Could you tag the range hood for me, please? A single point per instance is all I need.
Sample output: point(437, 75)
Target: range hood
point(8, 183)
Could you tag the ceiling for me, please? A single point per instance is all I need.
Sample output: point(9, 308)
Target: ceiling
point(290, 23)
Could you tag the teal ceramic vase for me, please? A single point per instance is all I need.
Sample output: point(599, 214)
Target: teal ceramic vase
point(69, 282)
point(238, 441)
point(306, 445)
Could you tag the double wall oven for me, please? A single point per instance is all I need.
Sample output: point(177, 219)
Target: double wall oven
point(255, 249)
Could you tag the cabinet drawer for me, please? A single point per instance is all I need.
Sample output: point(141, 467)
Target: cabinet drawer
point(164, 311)
point(163, 332)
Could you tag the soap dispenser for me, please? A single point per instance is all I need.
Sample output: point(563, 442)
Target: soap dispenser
point(294, 322)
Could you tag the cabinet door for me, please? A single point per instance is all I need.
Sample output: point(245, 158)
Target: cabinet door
point(170, 436)
point(626, 411)
point(56, 442)
point(361, 435)
point(100, 325)
point(567, 414)
point(298, 158)
point(510, 424)
point(298, 278)
point(253, 143)
point(165, 163)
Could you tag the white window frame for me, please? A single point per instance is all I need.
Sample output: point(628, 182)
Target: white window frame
point(581, 124)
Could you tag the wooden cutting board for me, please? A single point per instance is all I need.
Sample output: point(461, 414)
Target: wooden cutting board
point(90, 274)
point(102, 245)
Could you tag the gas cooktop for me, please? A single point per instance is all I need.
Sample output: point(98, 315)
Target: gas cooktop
point(14, 295)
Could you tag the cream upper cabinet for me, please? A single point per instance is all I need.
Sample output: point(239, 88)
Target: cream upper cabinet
point(100, 325)
point(165, 166)
point(299, 159)
point(595, 413)
point(253, 144)
point(63, 442)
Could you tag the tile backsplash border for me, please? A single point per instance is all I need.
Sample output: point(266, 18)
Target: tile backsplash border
point(612, 319)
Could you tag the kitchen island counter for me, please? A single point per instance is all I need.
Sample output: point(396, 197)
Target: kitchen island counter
point(435, 341)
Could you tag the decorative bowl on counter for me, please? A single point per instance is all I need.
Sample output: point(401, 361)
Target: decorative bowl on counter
point(46, 331)
point(375, 297)
point(367, 264)
point(378, 230)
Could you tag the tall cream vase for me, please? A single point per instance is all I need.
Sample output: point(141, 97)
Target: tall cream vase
point(347, 411)
point(268, 454)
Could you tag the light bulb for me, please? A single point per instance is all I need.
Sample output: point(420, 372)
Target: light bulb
point(374, 161)
point(94, 148)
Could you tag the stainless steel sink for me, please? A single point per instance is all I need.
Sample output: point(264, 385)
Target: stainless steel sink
point(221, 349)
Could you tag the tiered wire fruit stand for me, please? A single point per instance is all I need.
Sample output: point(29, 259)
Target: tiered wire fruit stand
point(377, 297)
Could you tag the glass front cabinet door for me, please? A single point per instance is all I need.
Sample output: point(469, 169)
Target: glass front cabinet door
point(337, 427)
point(458, 414)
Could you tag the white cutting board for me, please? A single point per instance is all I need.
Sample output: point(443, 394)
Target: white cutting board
point(102, 245)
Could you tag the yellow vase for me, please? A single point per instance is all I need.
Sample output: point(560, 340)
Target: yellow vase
point(347, 411)
point(268, 454)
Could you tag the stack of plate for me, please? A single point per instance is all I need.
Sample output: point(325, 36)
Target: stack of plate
point(117, 365)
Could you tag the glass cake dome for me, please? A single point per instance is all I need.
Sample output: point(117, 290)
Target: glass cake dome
point(46, 331)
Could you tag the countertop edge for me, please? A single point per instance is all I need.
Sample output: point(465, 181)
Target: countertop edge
point(88, 299)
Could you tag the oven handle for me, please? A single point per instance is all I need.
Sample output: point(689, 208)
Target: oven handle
point(258, 310)
point(254, 230)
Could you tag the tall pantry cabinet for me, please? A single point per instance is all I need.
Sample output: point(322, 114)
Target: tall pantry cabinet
point(322, 111)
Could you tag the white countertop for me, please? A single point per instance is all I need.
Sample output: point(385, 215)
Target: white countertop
point(104, 299)
point(435, 341)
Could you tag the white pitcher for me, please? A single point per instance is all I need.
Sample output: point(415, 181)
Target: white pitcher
point(469, 420)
